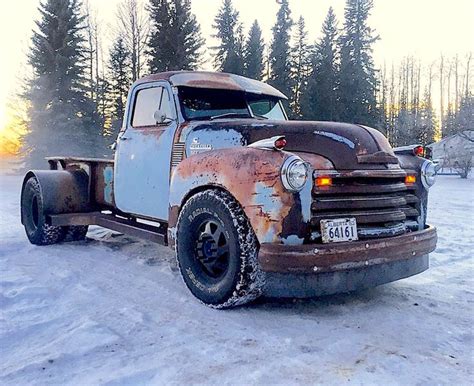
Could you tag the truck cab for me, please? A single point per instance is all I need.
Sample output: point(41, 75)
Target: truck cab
point(253, 203)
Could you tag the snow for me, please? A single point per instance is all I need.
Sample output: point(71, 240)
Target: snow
point(113, 310)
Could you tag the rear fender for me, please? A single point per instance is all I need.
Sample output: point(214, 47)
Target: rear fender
point(63, 191)
point(252, 177)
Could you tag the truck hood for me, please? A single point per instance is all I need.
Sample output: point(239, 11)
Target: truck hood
point(347, 146)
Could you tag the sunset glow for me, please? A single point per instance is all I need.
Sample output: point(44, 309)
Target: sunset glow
point(3, 118)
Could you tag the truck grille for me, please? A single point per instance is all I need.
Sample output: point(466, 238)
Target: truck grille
point(383, 205)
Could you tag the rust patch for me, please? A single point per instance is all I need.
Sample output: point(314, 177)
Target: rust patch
point(336, 257)
point(252, 176)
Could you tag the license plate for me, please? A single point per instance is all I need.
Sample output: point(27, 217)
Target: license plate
point(339, 229)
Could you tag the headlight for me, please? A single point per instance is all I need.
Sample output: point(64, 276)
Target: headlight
point(428, 174)
point(294, 173)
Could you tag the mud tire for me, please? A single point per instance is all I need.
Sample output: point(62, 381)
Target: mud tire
point(75, 232)
point(34, 220)
point(243, 280)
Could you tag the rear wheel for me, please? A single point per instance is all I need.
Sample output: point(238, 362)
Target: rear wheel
point(75, 232)
point(34, 220)
point(217, 251)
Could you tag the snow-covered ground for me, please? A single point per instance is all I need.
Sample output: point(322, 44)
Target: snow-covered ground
point(113, 310)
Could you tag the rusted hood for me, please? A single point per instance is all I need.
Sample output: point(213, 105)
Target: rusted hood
point(347, 146)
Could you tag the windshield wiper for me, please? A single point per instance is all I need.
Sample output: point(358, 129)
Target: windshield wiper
point(260, 116)
point(231, 115)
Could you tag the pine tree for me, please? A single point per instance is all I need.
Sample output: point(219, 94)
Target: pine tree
point(449, 123)
point(358, 81)
point(254, 49)
point(301, 65)
point(61, 118)
point(320, 99)
point(159, 45)
point(425, 128)
point(465, 115)
point(230, 51)
point(119, 67)
point(175, 40)
point(280, 50)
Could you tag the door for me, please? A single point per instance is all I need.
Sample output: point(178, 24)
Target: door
point(142, 159)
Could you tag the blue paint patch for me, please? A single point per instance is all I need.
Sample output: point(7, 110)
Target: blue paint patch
point(292, 240)
point(109, 183)
point(202, 140)
point(305, 197)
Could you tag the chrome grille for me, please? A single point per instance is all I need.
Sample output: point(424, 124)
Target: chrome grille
point(383, 205)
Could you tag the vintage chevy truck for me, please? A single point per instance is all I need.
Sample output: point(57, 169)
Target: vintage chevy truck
point(252, 203)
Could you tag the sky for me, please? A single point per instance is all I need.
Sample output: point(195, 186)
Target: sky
point(422, 28)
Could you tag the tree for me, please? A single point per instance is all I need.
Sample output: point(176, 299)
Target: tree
point(230, 51)
point(133, 25)
point(175, 40)
point(119, 74)
point(96, 82)
point(465, 116)
point(280, 50)
point(358, 81)
point(425, 129)
point(61, 117)
point(320, 98)
point(301, 65)
point(254, 50)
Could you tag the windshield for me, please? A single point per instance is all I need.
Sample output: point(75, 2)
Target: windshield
point(200, 103)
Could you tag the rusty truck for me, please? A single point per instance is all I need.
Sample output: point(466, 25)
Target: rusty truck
point(252, 203)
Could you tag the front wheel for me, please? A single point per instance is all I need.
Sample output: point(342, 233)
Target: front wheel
point(217, 251)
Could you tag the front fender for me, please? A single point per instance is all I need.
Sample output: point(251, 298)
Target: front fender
point(252, 177)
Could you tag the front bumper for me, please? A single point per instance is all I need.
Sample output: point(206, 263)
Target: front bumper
point(323, 269)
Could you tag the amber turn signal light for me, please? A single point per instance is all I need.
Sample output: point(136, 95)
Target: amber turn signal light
point(410, 179)
point(323, 181)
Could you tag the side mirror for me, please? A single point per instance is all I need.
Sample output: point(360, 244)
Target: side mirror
point(160, 117)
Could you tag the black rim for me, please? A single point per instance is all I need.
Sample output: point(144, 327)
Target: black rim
point(35, 211)
point(212, 249)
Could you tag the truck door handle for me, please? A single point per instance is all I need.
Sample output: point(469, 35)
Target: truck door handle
point(125, 138)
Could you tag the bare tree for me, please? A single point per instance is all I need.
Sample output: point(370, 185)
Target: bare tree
point(468, 66)
point(133, 25)
point(456, 83)
point(90, 32)
point(441, 87)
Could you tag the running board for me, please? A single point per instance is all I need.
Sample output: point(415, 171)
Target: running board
point(110, 221)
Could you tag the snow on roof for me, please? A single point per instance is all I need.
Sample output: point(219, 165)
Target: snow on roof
point(466, 135)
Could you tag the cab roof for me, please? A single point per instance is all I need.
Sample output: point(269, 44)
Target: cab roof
point(214, 80)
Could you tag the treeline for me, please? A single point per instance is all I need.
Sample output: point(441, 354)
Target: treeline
point(76, 96)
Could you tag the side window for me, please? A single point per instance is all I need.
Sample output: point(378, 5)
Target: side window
point(147, 101)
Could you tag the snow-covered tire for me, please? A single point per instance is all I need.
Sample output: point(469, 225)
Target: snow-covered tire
point(217, 278)
point(34, 221)
point(75, 232)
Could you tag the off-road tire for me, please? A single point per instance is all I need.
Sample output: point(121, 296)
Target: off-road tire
point(243, 280)
point(75, 232)
point(34, 220)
